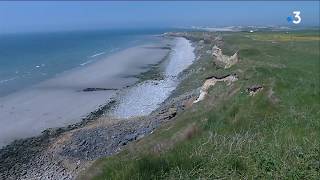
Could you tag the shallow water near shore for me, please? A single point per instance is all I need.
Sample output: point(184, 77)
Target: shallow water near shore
point(61, 101)
point(27, 59)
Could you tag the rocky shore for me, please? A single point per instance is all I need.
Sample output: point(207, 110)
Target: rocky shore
point(61, 153)
point(69, 96)
point(17, 158)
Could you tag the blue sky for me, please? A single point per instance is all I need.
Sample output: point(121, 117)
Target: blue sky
point(53, 16)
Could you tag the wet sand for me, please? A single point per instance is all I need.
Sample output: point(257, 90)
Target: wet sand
point(61, 153)
point(61, 101)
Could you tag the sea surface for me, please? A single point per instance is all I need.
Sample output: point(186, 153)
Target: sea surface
point(27, 59)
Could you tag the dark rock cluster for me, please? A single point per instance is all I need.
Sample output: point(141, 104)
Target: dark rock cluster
point(37, 158)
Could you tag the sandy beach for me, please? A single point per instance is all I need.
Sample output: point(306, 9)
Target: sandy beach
point(79, 124)
point(61, 101)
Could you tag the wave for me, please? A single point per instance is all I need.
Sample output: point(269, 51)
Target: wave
point(85, 63)
point(7, 80)
point(98, 54)
point(41, 65)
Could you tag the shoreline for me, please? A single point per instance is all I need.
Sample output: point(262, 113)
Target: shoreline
point(39, 108)
point(35, 146)
point(145, 97)
point(227, 133)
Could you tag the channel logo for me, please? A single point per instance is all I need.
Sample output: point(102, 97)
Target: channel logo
point(295, 19)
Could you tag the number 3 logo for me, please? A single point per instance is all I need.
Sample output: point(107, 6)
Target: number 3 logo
point(297, 17)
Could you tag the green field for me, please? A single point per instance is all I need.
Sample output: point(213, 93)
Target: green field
point(273, 135)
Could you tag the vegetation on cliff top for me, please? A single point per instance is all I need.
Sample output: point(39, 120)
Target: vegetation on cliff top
point(274, 134)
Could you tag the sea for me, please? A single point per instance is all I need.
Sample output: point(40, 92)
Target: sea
point(27, 59)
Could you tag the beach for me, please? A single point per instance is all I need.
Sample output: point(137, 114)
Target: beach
point(145, 97)
point(70, 96)
point(93, 111)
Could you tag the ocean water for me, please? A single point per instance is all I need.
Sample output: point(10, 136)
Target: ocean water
point(27, 59)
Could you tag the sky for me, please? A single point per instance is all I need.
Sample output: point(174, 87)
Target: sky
point(77, 15)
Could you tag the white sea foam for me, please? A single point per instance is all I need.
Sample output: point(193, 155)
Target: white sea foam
point(90, 61)
point(98, 54)
point(7, 80)
point(85, 63)
point(41, 65)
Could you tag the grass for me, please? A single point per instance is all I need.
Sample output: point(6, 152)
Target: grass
point(285, 37)
point(273, 135)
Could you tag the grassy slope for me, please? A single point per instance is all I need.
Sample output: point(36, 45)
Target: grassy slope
point(231, 134)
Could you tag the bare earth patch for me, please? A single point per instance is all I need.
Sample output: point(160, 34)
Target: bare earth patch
point(211, 81)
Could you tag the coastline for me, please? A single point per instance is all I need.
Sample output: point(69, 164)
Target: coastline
point(227, 134)
point(39, 107)
point(145, 97)
point(36, 146)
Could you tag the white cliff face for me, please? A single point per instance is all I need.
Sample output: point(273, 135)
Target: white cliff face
point(211, 82)
point(224, 60)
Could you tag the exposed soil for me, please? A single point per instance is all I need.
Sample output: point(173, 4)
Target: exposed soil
point(254, 89)
point(211, 81)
